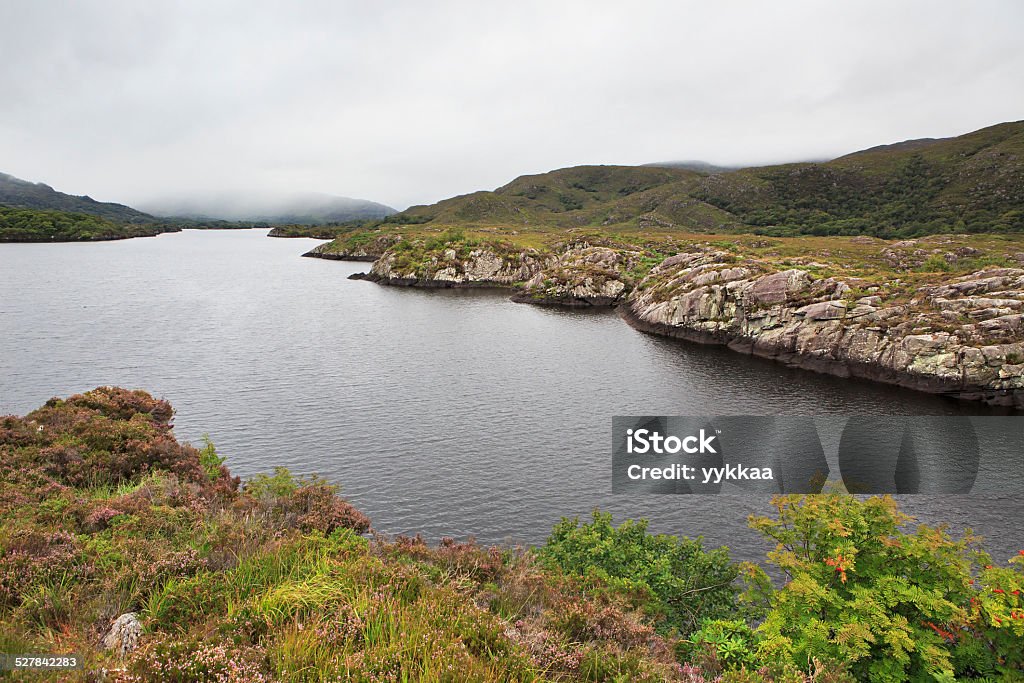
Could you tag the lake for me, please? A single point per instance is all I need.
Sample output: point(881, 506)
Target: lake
point(446, 412)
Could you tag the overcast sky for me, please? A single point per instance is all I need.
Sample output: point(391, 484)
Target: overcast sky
point(411, 102)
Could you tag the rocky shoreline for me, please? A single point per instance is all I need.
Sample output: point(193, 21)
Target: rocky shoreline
point(962, 338)
point(340, 257)
point(860, 369)
point(367, 251)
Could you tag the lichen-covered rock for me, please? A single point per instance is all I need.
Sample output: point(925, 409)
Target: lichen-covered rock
point(778, 288)
point(582, 275)
point(123, 635)
point(456, 265)
point(964, 338)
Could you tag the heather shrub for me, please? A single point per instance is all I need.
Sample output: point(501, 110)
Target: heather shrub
point(105, 436)
point(103, 512)
point(320, 509)
point(119, 404)
point(32, 559)
point(307, 503)
point(175, 661)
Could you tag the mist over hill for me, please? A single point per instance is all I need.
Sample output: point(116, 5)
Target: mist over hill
point(308, 208)
point(694, 165)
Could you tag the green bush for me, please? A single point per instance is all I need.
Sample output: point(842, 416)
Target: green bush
point(890, 604)
point(209, 459)
point(935, 264)
point(282, 484)
point(730, 643)
point(683, 582)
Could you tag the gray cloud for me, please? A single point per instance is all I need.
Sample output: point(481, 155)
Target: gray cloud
point(411, 102)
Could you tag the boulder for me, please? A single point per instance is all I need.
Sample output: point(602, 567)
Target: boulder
point(123, 635)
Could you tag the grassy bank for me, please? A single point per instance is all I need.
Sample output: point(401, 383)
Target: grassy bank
point(925, 259)
point(103, 513)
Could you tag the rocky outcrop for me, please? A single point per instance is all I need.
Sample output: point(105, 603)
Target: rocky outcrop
point(457, 265)
point(578, 274)
point(964, 338)
point(353, 249)
point(582, 275)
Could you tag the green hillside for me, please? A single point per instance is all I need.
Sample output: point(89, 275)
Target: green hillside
point(972, 183)
point(19, 193)
point(969, 184)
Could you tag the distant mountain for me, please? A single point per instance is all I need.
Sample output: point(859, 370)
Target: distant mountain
point(309, 208)
point(698, 166)
point(18, 193)
point(35, 212)
point(967, 184)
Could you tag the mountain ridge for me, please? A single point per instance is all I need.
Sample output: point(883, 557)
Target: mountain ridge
point(969, 183)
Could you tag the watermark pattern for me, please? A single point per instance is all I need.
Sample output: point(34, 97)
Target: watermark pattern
point(785, 454)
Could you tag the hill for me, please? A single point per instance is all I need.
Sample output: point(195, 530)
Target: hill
point(973, 183)
point(308, 208)
point(15, 192)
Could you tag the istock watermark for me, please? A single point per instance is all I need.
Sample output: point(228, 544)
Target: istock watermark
point(864, 454)
point(644, 440)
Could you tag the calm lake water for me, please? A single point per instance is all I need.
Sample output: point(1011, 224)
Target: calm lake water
point(448, 412)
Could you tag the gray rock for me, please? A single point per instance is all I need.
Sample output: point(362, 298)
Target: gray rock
point(824, 310)
point(779, 287)
point(123, 635)
point(929, 344)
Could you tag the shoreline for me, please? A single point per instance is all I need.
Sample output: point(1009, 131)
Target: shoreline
point(823, 366)
point(932, 363)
